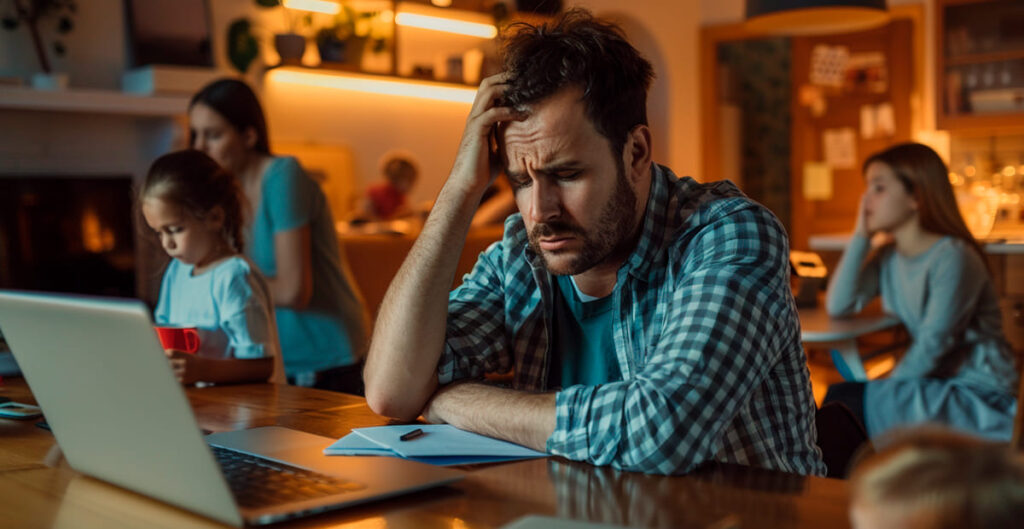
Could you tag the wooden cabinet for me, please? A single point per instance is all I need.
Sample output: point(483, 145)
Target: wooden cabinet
point(980, 64)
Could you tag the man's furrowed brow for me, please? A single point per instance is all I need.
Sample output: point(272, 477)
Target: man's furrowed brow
point(548, 170)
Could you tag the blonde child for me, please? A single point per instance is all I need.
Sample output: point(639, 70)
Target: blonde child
point(195, 208)
point(388, 199)
point(937, 479)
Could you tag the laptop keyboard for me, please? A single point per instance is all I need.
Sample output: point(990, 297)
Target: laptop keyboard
point(260, 482)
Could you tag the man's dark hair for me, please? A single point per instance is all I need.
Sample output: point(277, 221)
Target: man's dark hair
point(580, 50)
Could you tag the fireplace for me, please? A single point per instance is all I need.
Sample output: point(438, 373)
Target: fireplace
point(72, 234)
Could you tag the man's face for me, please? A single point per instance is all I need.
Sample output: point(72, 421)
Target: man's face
point(578, 206)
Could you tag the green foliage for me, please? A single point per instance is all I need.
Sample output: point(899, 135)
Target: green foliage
point(242, 45)
point(32, 13)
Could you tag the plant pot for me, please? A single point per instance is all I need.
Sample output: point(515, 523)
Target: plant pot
point(290, 47)
point(49, 81)
point(332, 50)
point(348, 52)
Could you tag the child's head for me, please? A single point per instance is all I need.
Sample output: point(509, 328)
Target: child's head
point(400, 170)
point(195, 207)
point(909, 181)
point(936, 479)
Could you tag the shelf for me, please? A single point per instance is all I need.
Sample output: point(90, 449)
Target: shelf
point(967, 25)
point(345, 79)
point(964, 59)
point(341, 69)
point(89, 101)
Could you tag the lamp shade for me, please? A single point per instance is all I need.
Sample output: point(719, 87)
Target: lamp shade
point(809, 17)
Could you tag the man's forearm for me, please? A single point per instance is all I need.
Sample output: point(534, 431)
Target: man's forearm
point(401, 368)
point(522, 418)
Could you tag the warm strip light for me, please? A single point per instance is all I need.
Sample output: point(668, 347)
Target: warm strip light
point(448, 25)
point(363, 83)
point(317, 6)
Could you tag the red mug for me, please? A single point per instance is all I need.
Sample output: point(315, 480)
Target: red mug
point(180, 338)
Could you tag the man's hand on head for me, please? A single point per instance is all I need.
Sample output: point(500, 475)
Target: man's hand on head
point(476, 150)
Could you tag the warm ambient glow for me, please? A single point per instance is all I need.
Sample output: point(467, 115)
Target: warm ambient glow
point(473, 29)
point(883, 367)
point(441, 3)
point(317, 6)
point(96, 238)
point(374, 85)
point(817, 21)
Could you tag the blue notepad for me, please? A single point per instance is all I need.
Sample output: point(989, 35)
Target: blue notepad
point(440, 444)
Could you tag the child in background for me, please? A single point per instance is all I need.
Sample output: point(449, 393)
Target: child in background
point(387, 200)
point(936, 479)
point(195, 207)
point(959, 369)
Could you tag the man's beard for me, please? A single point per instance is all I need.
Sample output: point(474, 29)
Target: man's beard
point(614, 226)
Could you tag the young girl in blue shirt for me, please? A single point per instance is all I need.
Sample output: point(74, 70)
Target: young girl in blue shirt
point(959, 369)
point(195, 208)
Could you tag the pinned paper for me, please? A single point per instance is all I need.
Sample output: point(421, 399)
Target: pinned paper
point(817, 181)
point(840, 147)
point(828, 65)
point(885, 119)
point(877, 121)
point(868, 122)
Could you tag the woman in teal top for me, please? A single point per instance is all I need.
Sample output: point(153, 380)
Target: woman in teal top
point(320, 315)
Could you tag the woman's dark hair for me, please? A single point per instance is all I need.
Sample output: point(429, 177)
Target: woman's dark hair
point(580, 50)
point(239, 105)
point(193, 181)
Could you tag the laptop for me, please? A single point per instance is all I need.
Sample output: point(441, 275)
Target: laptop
point(96, 368)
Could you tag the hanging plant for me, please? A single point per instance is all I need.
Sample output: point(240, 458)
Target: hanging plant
point(32, 13)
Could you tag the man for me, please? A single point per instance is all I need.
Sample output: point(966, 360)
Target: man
point(660, 307)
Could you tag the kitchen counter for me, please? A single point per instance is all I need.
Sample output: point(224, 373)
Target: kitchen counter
point(836, 242)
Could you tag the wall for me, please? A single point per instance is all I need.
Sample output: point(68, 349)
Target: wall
point(370, 125)
point(665, 30)
point(96, 47)
point(716, 12)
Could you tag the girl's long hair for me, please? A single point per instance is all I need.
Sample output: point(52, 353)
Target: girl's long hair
point(925, 176)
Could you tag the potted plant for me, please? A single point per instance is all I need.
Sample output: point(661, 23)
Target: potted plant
point(32, 13)
point(337, 42)
point(290, 46)
point(243, 47)
point(344, 40)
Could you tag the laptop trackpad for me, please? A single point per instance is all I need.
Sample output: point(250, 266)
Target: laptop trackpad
point(306, 450)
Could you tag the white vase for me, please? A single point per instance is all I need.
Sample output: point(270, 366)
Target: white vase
point(49, 81)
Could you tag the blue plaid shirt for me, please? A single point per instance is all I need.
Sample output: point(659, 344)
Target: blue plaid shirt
point(705, 329)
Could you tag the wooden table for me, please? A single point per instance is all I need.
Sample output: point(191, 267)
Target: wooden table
point(38, 489)
point(818, 329)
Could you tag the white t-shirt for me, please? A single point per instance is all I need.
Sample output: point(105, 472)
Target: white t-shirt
point(230, 306)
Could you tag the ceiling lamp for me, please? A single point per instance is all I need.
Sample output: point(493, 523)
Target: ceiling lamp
point(814, 17)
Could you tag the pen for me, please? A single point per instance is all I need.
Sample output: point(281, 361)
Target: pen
point(410, 435)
